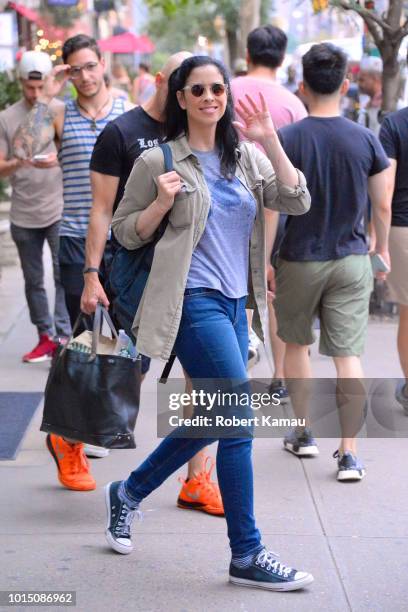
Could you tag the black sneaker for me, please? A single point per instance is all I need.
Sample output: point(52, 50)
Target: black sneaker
point(277, 387)
point(120, 517)
point(301, 445)
point(266, 572)
point(349, 467)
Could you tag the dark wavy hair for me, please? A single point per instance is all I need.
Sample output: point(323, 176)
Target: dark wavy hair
point(226, 136)
point(78, 42)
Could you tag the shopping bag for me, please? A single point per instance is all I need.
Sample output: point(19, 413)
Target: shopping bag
point(93, 397)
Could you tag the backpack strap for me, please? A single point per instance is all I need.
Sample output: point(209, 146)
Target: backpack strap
point(168, 157)
point(168, 167)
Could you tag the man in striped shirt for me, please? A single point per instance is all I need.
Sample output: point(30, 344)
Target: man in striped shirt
point(75, 127)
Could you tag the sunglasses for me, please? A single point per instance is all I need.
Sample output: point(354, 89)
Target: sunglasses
point(197, 90)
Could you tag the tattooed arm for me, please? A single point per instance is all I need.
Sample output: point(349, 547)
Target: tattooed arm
point(35, 133)
point(42, 123)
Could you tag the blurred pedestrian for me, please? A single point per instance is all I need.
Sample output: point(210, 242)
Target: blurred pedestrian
point(143, 84)
point(198, 305)
point(75, 127)
point(266, 48)
point(36, 207)
point(370, 85)
point(120, 77)
point(240, 67)
point(394, 138)
point(291, 82)
point(115, 92)
point(323, 268)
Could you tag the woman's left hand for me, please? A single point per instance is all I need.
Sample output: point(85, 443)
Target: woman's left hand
point(258, 124)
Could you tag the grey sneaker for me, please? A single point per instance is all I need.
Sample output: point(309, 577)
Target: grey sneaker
point(120, 517)
point(301, 445)
point(266, 572)
point(349, 467)
point(400, 395)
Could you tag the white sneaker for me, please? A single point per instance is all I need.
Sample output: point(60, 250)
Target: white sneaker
point(95, 452)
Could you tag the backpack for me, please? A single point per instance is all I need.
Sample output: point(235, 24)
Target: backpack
point(130, 270)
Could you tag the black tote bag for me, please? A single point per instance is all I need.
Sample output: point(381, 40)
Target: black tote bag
point(93, 398)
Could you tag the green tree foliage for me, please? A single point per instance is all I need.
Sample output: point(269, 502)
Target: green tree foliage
point(179, 30)
point(10, 90)
point(175, 24)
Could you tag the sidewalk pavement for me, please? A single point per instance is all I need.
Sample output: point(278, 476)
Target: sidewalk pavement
point(352, 537)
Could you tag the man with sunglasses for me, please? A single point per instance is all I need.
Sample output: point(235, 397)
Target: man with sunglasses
point(75, 127)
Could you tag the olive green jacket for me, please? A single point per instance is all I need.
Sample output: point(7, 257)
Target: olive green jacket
point(158, 317)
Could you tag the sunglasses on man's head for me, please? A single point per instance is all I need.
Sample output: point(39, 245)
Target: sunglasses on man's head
point(197, 90)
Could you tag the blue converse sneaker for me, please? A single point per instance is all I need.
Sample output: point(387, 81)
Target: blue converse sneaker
point(349, 467)
point(264, 571)
point(401, 395)
point(120, 517)
point(277, 386)
point(301, 445)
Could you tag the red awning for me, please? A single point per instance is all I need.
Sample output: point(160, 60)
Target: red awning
point(127, 43)
point(25, 12)
point(50, 31)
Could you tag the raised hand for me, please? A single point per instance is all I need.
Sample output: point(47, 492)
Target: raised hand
point(54, 82)
point(256, 122)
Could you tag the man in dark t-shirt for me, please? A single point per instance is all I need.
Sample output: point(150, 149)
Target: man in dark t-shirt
point(323, 268)
point(394, 138)
point(115, 151)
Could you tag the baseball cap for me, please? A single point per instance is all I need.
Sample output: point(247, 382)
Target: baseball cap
point(35, 65)
point(371, 63)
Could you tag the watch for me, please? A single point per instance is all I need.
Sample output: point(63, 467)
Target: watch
point(87, 270)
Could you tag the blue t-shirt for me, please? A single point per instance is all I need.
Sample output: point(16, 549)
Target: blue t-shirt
point(337, 156)
point(220, 260)
point(394, 138)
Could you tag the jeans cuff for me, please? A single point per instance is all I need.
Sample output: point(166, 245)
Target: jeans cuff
point(127, 497)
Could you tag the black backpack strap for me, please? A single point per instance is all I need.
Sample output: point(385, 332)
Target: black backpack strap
point(168, 157)
point(167, 369)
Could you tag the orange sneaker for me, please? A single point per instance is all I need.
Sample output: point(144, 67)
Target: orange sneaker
point(72, 465)
point(201, 493)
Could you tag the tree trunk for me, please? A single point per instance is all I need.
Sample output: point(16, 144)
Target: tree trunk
point(249, 19)
point(391, 77)
point(232, 40)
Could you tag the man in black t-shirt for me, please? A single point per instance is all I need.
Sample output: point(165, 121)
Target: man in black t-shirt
point(323, 269)
point(394, 138)
point(115, 151)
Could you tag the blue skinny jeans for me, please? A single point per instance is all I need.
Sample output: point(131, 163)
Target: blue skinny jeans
point(212, 343)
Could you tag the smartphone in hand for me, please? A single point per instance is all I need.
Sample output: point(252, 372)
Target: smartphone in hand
point(379, 264)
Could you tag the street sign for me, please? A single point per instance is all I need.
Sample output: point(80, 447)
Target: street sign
point(62, 2)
